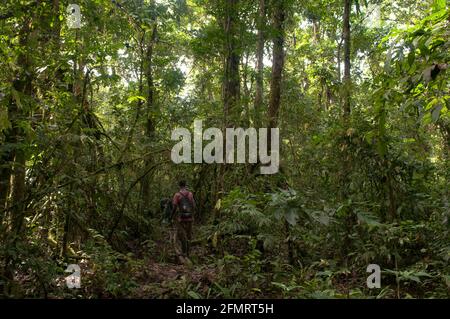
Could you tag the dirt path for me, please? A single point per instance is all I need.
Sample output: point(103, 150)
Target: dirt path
point(175, 276)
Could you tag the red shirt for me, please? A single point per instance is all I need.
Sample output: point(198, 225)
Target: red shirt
point(177, 197)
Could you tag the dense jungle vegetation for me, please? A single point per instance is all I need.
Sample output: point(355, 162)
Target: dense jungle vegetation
point(359, 89)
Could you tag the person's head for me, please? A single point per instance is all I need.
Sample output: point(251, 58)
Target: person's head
point(182, 183)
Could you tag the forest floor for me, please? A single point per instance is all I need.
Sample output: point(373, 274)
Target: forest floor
point(163, 272)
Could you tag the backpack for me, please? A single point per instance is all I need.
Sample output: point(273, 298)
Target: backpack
point(185, 206)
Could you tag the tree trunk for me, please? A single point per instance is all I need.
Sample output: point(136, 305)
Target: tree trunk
point(246, 95)
point(339, 59)
point(231, 80)
point(150, 125)
point(277, 64)
point(347, 44)
point(275, 91)
point(231, 83)
point(349, 219)
point(258, 103)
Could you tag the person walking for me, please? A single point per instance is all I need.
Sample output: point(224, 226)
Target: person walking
point(183, 209)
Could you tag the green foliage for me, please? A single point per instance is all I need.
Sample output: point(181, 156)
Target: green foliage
point(86, 117)
point(110, 270)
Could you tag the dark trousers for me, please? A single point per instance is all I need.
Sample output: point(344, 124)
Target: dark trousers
point(184, 233)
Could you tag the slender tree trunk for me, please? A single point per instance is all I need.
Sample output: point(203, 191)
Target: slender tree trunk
point(349, 219)
point(346, 95)
point(150, 125)
point(277, 63)
point(275, 90)
point(246, 92)
point(346, 156)
point(231, 80)
point(347, 47)
point(231, 83)
point(258, 103)
point(339, 60)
